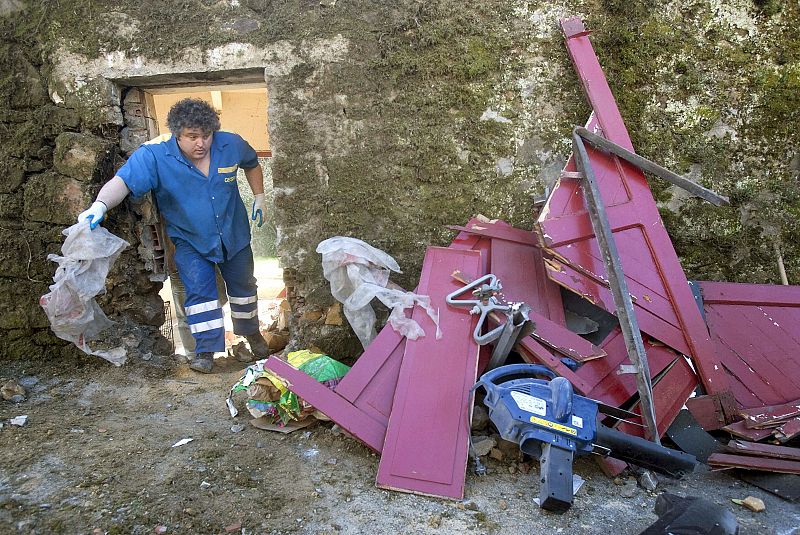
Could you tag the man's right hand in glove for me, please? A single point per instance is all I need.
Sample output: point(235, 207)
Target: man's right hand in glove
point(109, 196)
point(94, 215)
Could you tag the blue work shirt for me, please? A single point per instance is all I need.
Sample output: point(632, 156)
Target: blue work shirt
point(205, 211)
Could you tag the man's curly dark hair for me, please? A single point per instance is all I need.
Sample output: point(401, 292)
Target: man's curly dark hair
point(192, 113)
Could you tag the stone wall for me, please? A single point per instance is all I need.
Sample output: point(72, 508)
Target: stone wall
point(391, 120)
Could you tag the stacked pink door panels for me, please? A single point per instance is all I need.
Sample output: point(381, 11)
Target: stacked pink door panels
point(426, 444)
point(664, 304)
point(362, 401)
point(517, 262)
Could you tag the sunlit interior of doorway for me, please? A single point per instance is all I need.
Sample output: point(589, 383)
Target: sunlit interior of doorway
point(242, 109)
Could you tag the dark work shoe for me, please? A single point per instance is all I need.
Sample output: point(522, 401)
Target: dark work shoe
point(258, 346)
point(202, 362)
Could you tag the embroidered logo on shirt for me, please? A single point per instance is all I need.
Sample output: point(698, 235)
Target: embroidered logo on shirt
point(231, 169)
point(231, 178)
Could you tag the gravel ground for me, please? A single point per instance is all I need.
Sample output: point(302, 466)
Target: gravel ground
point(95, 457)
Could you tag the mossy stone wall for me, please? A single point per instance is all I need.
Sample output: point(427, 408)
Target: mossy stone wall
point(425, 114)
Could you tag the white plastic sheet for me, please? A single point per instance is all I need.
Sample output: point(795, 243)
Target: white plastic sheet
point(81, 275)
point(358, 273)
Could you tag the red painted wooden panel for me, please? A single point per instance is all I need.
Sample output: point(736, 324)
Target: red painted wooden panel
point(754, 463)
point(425, 450)
point(788, 430)
point(751, 365)
point(521, 271)
point(533, 352)
point(370, 383)
point(754, 294)
point(467, 241)
point(670, 392)
point(765, 450)
point(763, 416)
point(499, 230)
point(754, 328)
point(648, 259)
point(563, 340)
point(360, 424)
point(738, 429)
point(595, 289)
point(616, 389)
point(362, 401)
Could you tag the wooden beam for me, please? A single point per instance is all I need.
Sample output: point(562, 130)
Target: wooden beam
point(651, 167)
point(619, 288)
point(724, 460)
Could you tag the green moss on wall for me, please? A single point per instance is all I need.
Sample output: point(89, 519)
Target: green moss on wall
point(388, 145)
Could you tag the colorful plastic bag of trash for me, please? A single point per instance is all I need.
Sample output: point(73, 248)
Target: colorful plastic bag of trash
point(268, 395)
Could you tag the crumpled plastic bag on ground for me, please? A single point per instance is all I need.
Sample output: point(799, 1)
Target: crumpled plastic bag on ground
point(81, 274)
point(358, 273)
point(268, 394)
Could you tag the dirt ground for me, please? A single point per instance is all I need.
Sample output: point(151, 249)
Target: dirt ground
point(95, 457)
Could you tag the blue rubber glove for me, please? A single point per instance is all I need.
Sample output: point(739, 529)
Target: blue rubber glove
point(94, 215)
point(258, 209)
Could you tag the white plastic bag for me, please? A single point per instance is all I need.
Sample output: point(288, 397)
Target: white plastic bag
point(358, 273)
point(81, 274)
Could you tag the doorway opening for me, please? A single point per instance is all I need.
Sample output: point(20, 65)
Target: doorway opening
point(243, 109)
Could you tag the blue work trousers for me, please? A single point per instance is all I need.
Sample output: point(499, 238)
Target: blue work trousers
point(203, 309)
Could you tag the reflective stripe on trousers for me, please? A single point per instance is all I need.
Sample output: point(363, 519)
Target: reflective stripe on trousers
point(203, 312)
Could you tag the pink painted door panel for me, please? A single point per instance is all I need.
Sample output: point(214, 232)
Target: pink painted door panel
point(756, 331)
point(425, 450)
point(649, 261)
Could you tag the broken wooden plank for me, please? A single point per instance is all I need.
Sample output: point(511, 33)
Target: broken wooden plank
point(738, 429)
point(750, 294)
point(563, 340)
point(788, 430)
point(633, 216)
point(614, 388)
point(651, 167)
point(425, 450)
point(670, 392)
point(764, 450)
point(765, 416)
point(618, 285)
point(726, 460)
point(656, 317)
point(503, 232)
point(533, 352)
point(362, 400)
point(334, 406)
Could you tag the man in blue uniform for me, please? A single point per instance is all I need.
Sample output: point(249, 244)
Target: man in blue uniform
point(192, 174)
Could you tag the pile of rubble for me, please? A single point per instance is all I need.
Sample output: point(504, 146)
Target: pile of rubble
point(594, 299)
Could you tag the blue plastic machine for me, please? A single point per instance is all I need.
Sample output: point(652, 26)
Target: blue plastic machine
point(553, 424)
